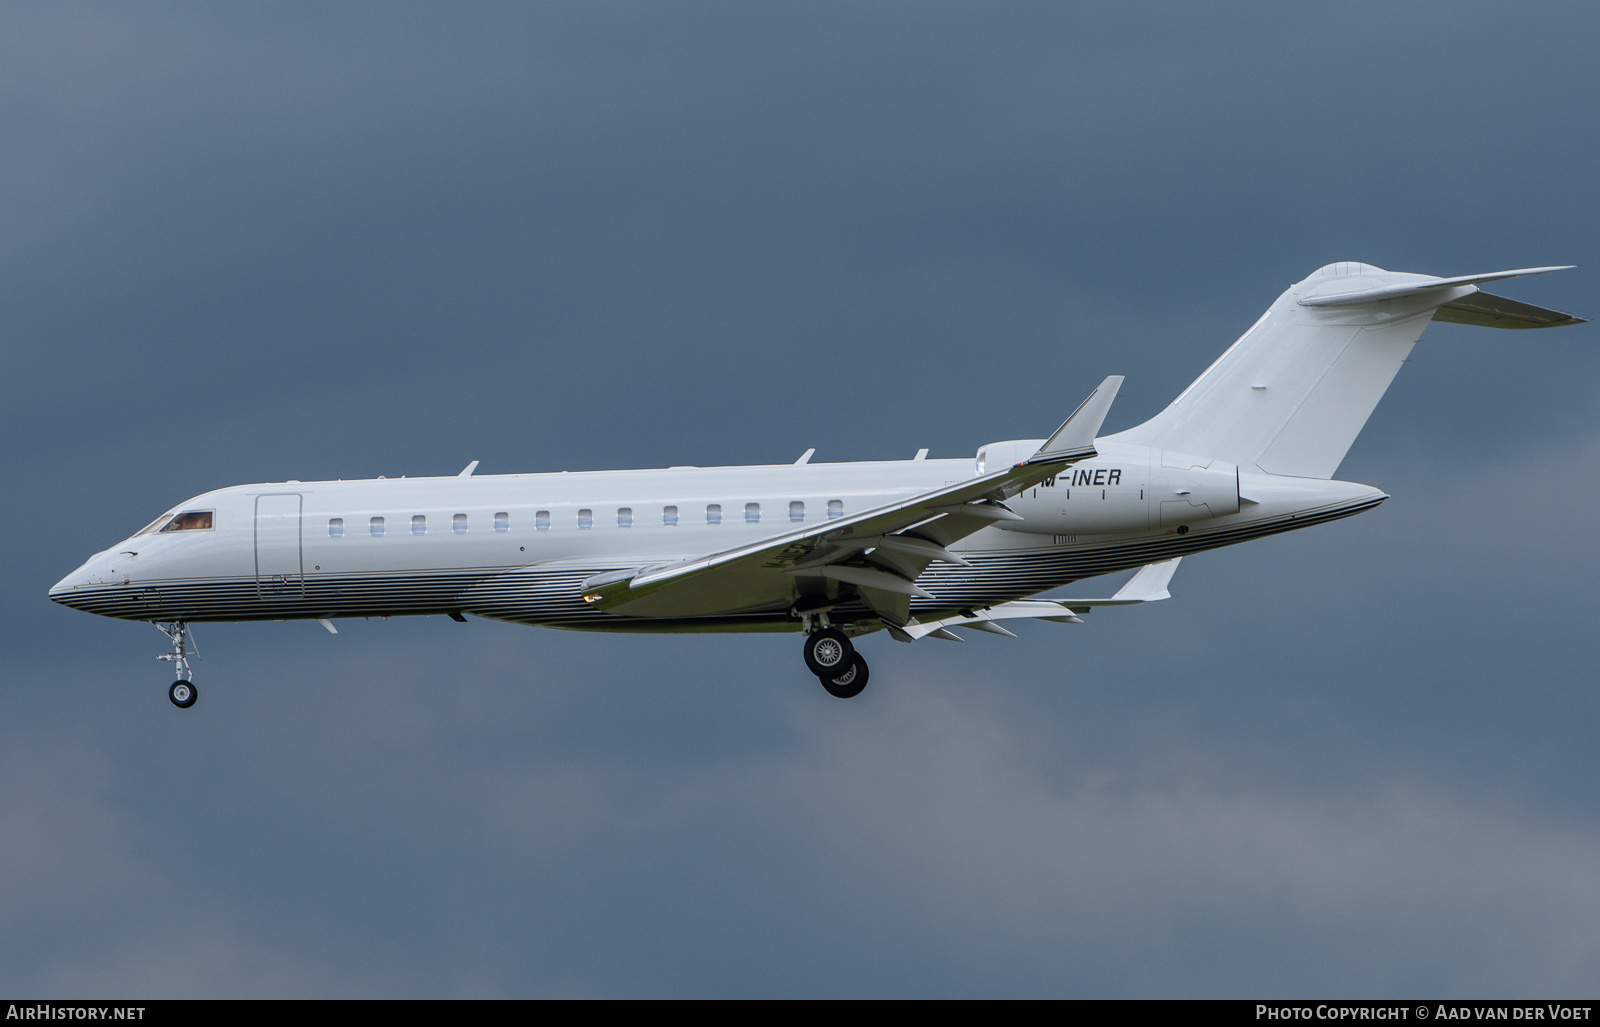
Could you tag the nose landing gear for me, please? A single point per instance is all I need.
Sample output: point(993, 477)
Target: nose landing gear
point(182, 691)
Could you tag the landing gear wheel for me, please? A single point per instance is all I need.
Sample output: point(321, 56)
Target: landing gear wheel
point(828, 652)
point(183, 694)
point(849, 684)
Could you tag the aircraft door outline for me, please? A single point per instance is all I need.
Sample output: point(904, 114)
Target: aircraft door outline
point(279, 547)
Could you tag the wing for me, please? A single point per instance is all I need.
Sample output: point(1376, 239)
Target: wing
point(880, 551)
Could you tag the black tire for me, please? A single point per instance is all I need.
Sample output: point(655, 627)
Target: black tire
point(828, 652)
point(183, 694)
point(849, 684)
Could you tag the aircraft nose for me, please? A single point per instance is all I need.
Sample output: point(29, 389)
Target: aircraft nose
point(64, 590)
point(77, 587)
point(70, 586)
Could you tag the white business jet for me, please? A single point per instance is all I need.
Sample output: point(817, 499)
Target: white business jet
point(914, 547)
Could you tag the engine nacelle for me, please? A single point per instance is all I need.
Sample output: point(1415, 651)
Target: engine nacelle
point(999, 455)
point(1185, 489)
point(1123, 489)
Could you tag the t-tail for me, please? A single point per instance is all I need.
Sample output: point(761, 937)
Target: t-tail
point(1291, 395)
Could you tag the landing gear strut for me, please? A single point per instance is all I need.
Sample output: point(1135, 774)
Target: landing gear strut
point(182, 693)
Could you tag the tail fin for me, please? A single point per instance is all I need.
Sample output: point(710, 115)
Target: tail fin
point(1292, 394)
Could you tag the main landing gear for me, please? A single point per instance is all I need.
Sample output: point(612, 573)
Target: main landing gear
point(849, 684)
point(182, 692)
point(830, 656)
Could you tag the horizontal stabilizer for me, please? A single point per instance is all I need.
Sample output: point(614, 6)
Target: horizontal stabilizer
point(1416, 288)
point(1487, 310)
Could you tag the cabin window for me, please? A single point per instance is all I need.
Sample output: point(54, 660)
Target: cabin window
point(625, 517)
point(752, 513)
point(502, 521)
point(336, 527)
point(419, 524)
point(669, 516)
point(541, 520)
point(835, 508)
point(797, 511)
point(458, 524)
point(586, 518)
point(194, 520)
point(376, 526)
point(714, 513)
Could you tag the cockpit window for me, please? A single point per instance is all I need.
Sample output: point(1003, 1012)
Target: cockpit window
point(149, 529)
point(189, 520)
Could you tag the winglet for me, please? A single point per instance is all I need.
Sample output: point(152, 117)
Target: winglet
point(1150, 583)
point(466, 472)
point(1074, 440)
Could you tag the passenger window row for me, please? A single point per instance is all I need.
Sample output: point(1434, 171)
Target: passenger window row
point(419, 525)
point(459, 523)
point(669, 514)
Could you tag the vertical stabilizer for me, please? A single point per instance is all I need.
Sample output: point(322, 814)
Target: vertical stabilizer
point(1292, 394)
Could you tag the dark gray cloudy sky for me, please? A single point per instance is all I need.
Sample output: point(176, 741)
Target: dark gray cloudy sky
point(254, 243)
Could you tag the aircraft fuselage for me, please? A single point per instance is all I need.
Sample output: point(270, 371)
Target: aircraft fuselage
point(519, 547)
